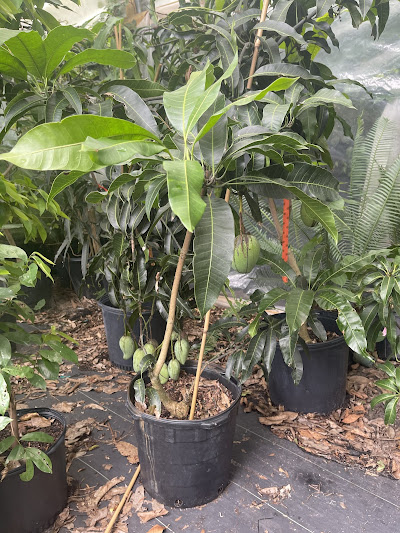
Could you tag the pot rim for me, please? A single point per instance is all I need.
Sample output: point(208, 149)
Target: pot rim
point(210, 422)
point(43, 411)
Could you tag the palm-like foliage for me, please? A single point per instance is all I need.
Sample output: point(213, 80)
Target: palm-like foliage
point(372, 211)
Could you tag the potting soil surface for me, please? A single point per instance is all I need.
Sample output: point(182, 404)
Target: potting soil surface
point(275, 486)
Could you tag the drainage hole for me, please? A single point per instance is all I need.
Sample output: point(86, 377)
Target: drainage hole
point(220, 490)
point(178, 503)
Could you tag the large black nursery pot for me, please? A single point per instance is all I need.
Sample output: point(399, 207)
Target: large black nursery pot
point(186, 463)
point(32, 506)
point(322, 388)
point(88, 286)
point(115, 328)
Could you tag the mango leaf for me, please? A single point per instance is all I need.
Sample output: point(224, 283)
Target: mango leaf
point(59, 41)
point(280, 10)
point(40, 459)
point(385, 290)
point(106, 152)
point(324, 97)
point(288, 347)
point(180, 104)
point(29, 471)
point(57, 145)
point(16, 110)
point(269, 349)
point(185, 181)
point(28, 47)
point(350, 324)
point(154, 188)
point(135, 108)
point(387, 384)
point(254, 354)
point(311, 265)
point(73, 98)
point(273, 116)
point(5, 351)
point(273, 296)
point(365, 6)
point(7, 251)
point(315, 181)
point(154, 399)
point(116, 58)
point(277, 85)
point(284, 69)
point(6, 443)
point(62, 181)
point(317, 326)
point(390, 410)
point(213, 144)
point(282, 29)
point(213, 252)
point(37, 436)
point(298, 307)
point(11, 66)
point(55, 107)
point(144, 88)
point(323, 7)
point(4, 421)
point(6, 34)
point(382, 398)
point(279, 266)
point(4, 395)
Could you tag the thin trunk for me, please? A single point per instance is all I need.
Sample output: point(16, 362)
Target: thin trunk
point(13, 414)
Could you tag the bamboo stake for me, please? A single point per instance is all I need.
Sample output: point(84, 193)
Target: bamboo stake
point(122, 502)
point(202, 347)
point(257, 44)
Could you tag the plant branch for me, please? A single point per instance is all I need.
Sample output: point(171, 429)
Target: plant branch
point(257, 44)
point(13, 414)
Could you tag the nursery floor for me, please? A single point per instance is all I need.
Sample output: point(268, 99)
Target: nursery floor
point(311, 494)
point(275, 486)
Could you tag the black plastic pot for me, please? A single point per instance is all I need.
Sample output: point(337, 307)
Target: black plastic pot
point(32, 506)
point(115, 328)
point(88, 286)
point(41, 291)
point(322, 388)
point(186, 463)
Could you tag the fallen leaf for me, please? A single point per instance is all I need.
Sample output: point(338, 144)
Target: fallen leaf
point(158, 510)
point(285, 416)
point(129, 451)
point(156, 529)
point(100, 514)
point(107, 467)
point(78, 430)
point(350, 419)
point(64, 407)
point(137, 499)
point(94, 406)
point(102, 491)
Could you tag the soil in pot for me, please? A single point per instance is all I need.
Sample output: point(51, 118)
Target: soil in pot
point(114, 324)
point(44, 496)
point(322, 388)
point(186, 463)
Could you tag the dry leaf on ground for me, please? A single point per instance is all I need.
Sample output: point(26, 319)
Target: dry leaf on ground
point(94, 406)
point(129, 451)
point(102, 491)
point(156, 529)
point(65, 407)
point(78, 430)
point(157, 510)
point(137, 499)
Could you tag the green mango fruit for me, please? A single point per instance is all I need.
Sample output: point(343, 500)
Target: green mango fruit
point(164, 375)
point(307, 219)
point(174, 369)
point(181, 350)
point(127, 346)
point(174, 336)
point(245, 254)
point(149, 348)
point(137, 357)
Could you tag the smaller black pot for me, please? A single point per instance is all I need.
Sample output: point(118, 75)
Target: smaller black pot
point(89, 286)
point(115, 328)
point(32, 506)
point(186, 463)
point(43, 290)
point(322, 388)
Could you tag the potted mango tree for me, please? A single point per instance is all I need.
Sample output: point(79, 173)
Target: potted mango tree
point(198, 138)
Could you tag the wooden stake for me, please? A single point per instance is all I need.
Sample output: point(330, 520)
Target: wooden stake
point(257, 44)
point(202, 347)
point(122, 502)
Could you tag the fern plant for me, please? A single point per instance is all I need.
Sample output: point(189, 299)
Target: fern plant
point(371, 218)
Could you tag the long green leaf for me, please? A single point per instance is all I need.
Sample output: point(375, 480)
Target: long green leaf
point(315, 181)
point(6, 34)
point(324, 97)
point(135, 108)
point(254, 354)
point(58, 145)
point(213, 252)
point(28, 47)
point(11, 66)
point(213, 144)
point(284, 69)
point(4, 395)
point(323, 7)
point(185, 181)
point(106, 152)
point(59, 41)
point(269, 349)
point(281, 28)
point(144, 88)
point(116, 58)
point(298, 307)
point(390, 411)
